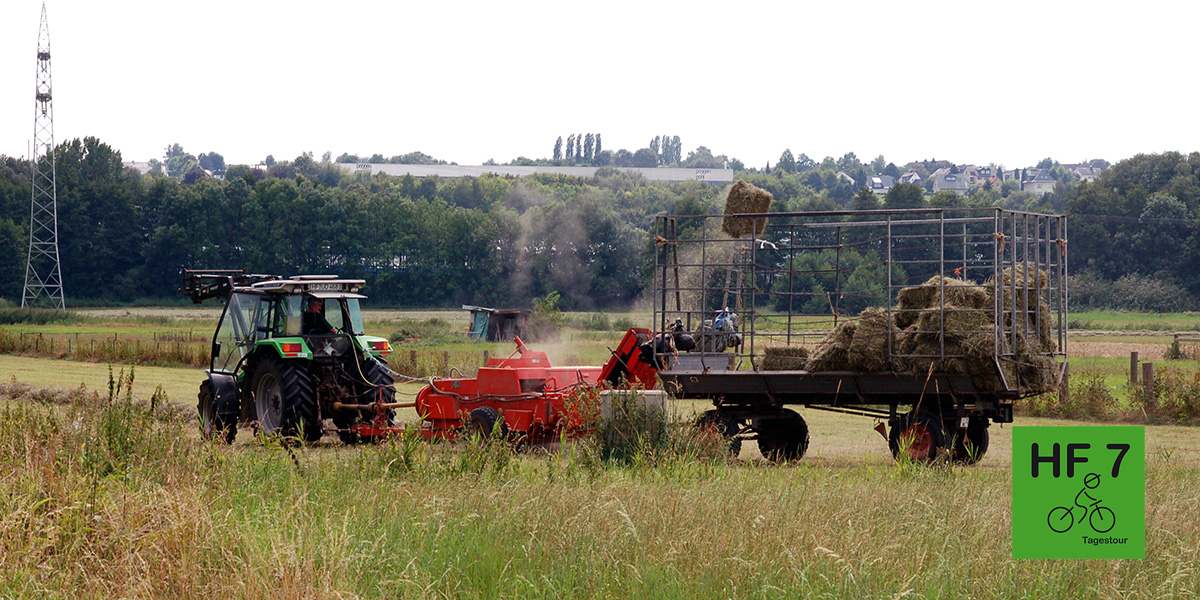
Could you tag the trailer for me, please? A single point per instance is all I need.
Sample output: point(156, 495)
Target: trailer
point(799, 275)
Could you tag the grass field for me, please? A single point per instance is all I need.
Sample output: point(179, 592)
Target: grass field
point(101, 499)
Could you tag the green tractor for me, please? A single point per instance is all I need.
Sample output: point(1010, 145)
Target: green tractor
point(289, 354)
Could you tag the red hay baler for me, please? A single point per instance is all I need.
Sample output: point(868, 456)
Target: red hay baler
point(524, 397)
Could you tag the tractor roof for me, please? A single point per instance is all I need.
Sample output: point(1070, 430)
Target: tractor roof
point(321, 286)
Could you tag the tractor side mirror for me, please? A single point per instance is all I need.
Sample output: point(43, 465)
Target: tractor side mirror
point(216, 349)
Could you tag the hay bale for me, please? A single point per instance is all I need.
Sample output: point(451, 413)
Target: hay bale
point(959, 340)
point(868, 349)
point(965, 335)
point(784, 358)
point(958, 292)
point(1029, 284)
point(833, 352)
point(745, 198)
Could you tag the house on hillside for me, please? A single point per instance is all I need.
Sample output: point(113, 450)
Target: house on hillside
point(142, 167)
point(1083, 171)
point(844, 177)
point(880, 184)
point(1042, 182)
point(943, 179)
point(975, 175)
point(911, 177)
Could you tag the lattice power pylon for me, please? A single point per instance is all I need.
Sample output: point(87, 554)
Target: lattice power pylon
point(43, 275)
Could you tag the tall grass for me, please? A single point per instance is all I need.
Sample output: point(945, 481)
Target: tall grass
point(111, 496)
point(1174, 399)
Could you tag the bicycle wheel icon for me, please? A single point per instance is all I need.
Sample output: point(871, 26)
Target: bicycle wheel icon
point(1103, 519)
point(1061, 519)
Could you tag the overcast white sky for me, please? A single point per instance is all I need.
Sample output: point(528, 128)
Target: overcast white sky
point(973, 82)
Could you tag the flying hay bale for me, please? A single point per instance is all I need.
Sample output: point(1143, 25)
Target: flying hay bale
point(745, 198)
point(868, 349)
point(784, 358)
point(833, 352)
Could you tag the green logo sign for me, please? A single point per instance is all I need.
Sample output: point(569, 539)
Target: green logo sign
point(1079, 492)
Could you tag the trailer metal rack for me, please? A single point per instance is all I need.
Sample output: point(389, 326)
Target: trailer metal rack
point(803, 273)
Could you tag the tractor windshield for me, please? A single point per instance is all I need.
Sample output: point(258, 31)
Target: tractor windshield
point(354, 316)
point(237, 332)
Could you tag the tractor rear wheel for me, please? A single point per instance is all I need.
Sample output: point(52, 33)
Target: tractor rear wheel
point(783, 438)
point(482, 423)
point(726, 425)
point(212, 424)
point(378, 386)
point(286, 401)
point(918, 436)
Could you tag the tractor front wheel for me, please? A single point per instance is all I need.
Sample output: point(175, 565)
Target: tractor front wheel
point(212, 424)
point(285, 400)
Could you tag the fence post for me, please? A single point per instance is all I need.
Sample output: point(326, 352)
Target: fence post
point(1064, 387)
point(1148, 378)
point(486, 357)
point(446, 362)
point(1133, 366)
point(412, 360)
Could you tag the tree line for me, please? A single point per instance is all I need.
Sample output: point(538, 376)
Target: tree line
point(501, 241)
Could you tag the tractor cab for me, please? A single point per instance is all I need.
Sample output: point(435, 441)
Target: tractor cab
point(273, 313)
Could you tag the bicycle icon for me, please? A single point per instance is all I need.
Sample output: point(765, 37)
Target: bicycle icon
point(1100, 518)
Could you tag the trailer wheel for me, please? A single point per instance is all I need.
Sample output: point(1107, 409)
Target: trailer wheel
point(784, 438)
point(971, 445)
point(726, 425)
point(918, 436)
point(482, 422)
point(212, 424)
point(285, 400)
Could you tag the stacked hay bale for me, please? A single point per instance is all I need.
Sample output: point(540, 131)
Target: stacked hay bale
point(868, 349)
point(833, 352)
point(1026, 311)
point(911, 301)
point(745, 198)
point(785, 358)
point(952, 318)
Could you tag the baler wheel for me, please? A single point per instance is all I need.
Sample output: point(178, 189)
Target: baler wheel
point(785, 438)
point(212, 424)
point(726, 425)
point(285, 400)
point(918, 435)
point(482, 422)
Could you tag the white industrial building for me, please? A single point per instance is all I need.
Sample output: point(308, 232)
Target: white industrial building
point(658, 174)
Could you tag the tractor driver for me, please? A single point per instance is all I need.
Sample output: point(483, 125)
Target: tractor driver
point(313, 321)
